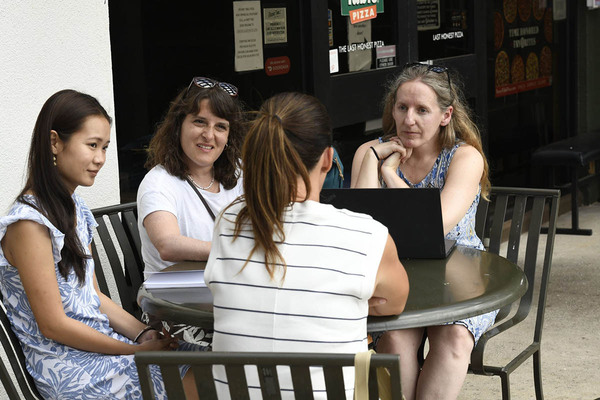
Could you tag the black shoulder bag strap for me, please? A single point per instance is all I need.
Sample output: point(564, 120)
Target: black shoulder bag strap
point(210, 212)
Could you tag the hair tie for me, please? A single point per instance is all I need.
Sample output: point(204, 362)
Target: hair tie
point(375, 152)
point(277, 118)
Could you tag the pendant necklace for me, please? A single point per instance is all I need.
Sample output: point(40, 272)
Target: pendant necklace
point(203, 187)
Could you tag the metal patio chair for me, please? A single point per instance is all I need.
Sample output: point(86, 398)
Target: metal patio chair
point(201, 364)
point(128, 275)
point(20, 384)
point(513, 207)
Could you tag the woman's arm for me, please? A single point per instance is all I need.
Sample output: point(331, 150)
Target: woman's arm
point(28, 247)
point(462, 185)
point(163, 230)
point(120, 320)
point(365, 165)
point(391, 283)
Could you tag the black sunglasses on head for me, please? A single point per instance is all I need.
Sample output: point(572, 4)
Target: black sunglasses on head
point(438, 69)
point(207, 83)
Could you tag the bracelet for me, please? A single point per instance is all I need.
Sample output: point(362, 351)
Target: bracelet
point(375, 152)
point(139, 335)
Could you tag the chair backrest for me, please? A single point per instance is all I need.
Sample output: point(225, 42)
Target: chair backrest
point(518, 213)
point(128, 275)
point(201, 364)
point(16, 360)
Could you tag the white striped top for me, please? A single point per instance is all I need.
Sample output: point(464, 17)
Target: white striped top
point(332, 258)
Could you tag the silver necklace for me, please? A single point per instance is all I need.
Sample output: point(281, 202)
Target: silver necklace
point(203, 187)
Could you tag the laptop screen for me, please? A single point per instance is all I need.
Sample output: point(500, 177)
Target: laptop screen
point(413, 216)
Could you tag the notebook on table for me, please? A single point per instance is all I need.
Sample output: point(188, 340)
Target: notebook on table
point(413, 217)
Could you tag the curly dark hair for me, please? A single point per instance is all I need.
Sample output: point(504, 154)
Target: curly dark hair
point(165, 146)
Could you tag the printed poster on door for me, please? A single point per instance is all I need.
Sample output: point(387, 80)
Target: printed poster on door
point(522, 45)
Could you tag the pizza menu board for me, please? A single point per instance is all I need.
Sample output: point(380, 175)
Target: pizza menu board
point(522, 45)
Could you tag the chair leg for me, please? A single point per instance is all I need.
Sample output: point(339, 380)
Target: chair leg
point(504, 378)
point(537, 375)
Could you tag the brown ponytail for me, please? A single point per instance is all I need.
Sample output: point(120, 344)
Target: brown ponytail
point(284, 142)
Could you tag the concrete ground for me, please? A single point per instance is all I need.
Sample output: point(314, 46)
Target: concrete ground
point(571, 335)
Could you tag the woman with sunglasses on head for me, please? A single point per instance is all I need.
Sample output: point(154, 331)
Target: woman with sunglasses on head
point(288, 273)
point(193, 156)
point(430, 140)
point(194, 162)
point(77, 342)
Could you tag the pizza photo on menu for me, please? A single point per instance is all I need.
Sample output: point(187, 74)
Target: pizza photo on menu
point(524, 7)
point(498, 31)
point(532, 69)
point(502, 70)
point(510, 10)
point(546, 61)
point(517, 69)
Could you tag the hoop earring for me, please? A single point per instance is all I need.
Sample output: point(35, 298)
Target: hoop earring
point(54, 159)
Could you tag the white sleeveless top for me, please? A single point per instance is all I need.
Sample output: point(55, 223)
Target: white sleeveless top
point(321, 306)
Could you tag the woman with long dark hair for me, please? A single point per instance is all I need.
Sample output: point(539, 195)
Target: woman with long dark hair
point(288, 273)
point(77, 342)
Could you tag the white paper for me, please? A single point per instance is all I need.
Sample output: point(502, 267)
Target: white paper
point(275, 25)
point(200, 297)
point(359, 59)
point(334, 64)
point(247, 35)
point(175, 279)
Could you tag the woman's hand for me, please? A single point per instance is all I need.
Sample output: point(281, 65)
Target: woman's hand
point(391, 163)
point(366, 163)
point(157, 343)
point(394, 145)
point(149, 335)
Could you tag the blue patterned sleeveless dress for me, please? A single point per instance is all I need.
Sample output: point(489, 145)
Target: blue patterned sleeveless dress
point(463, 232)
point(60, 371)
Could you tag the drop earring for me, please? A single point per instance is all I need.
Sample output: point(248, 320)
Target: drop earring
point(54, 160)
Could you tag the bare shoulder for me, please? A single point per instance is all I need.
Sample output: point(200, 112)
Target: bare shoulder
point(362, 149)
point(467, 153)
point(24, 237)
point(26, 227)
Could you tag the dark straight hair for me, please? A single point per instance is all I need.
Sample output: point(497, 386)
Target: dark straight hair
point(64, 112)
point(284, 142)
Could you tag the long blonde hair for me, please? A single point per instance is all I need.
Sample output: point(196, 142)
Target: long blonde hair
point(461, 126)
point(284, 142)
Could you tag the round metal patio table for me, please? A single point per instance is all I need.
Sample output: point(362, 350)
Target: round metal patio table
point(468, 282)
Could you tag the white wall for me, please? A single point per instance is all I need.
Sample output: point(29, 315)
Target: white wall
point(47, 46)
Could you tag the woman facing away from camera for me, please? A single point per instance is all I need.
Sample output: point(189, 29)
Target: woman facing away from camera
point(288, 273)
point(77, 342)
point(194, 162)
point(430, 140)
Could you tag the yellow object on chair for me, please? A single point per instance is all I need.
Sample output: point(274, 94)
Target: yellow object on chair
point(361, 378)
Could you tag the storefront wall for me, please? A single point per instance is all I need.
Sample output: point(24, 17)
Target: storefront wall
point(512, 54)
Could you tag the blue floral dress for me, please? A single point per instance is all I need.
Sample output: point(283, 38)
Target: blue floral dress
point(463, 232)
point(60, 371)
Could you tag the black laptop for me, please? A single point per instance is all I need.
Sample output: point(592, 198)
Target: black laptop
point(412, 216)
